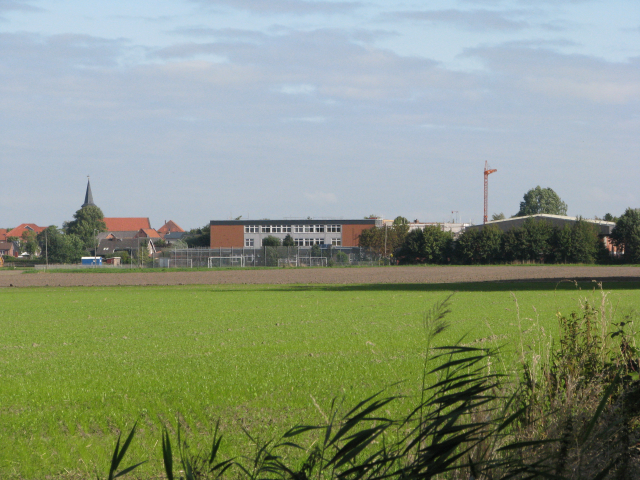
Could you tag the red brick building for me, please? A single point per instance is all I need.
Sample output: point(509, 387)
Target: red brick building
point(250, 233)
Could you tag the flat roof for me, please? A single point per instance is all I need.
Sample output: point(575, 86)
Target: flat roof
point(364, 221)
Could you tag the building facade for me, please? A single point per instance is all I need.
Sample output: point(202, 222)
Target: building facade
point(305, 233)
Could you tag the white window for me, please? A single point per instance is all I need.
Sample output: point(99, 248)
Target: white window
point(286, 229)
point(319, 228)
point(333, 228)
point(298, 228)
point(299, 242)
point(248, 242)
point(308, 228)
point(251, 228)
point(276, 229)
point(336, 242)
point(266, 229)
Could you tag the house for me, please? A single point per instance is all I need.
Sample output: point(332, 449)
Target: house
point(8, 249)
point(124, 227)
point(250, 233)
point(22, 228)
point(113, 244)
point(173, 236)
point(147, 233)
point(126, 224)
point(3, 234)
point(169, 227)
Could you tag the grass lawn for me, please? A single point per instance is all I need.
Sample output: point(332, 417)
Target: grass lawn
point(79, 364)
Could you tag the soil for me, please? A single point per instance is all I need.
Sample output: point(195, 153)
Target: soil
point(368, 275)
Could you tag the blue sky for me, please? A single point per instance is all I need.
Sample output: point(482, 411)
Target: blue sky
point(195, 110)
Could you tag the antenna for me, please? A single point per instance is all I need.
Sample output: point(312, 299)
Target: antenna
point(487, 171)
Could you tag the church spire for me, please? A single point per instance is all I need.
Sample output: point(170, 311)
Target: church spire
point(88, 198)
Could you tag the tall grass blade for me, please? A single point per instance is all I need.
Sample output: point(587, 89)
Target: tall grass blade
point(118, 456)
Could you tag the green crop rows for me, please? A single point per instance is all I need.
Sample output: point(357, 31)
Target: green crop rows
point(79, 364)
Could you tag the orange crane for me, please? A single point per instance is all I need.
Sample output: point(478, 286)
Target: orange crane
point(487, 171)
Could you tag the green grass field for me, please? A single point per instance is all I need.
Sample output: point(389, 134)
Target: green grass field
point(79, 364)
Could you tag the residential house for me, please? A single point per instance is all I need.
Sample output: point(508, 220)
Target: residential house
point(113, 244)
point(147, 233)
point(22, 228)
point(169, 227)
point(8, 249)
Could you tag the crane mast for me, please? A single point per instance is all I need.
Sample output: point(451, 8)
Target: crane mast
point(487, 171)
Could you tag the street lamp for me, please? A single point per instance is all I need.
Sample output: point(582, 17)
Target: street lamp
point(95, 252)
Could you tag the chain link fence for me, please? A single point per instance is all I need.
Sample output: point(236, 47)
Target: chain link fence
point(266, 257)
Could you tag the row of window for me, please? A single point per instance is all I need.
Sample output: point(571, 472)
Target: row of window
point(317, 228)
point(267, 229)
point(296, 228)
point(300, 242)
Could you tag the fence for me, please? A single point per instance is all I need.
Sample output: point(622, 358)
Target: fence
point(266, 257)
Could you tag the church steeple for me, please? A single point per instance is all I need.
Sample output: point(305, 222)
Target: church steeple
point(88, 198)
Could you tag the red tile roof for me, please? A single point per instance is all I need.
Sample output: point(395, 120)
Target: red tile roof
point(25, 227)
point(126, 224)
point(3, 234)
point(147, 233)
point(170, 226)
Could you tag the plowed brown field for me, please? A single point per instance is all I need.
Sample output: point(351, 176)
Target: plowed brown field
point(455, 274)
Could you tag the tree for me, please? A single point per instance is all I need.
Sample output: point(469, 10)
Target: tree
point(29, 242)
point(386, 239)
point(609, 218)
point(87, 221)
point(626, 234)
point(288, 241)
point(497, 216)
point(480, 246)
point(271, 241)
point(541, 200)
point(428, 245)
point(315, 251)
point(579, 243)
point(199, 237)
point(537, 239)
point(60, 247)
point(465, 249)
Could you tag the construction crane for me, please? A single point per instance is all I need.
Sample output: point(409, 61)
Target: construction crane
point(487, 171)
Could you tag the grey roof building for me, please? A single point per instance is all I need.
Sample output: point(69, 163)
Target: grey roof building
point(108, 246)
point(558, 221)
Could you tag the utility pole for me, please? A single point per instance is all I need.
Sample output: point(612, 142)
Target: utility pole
point(487, 171)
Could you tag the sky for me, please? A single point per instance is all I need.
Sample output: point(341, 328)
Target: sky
point(199, 110)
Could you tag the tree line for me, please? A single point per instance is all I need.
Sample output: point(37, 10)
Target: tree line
point(537, 240)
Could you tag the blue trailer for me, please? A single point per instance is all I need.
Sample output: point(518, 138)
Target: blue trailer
point(92, 261)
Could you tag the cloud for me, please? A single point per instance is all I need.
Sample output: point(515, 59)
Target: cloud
point(544, 72)
point(475, 20)
point(18, 5)
point(295, 110)
point(228, 34)
point(297, 89)
point(321, 197)
point(295, 7)
point(328, 60)
point(306, 119)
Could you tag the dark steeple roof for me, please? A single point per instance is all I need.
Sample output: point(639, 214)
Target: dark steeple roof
point(88, 198)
